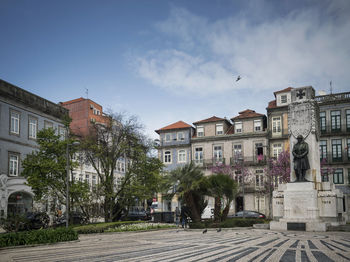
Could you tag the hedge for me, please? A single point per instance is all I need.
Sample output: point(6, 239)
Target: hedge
point(41, 236)
point(102, 227)
point(230, 222)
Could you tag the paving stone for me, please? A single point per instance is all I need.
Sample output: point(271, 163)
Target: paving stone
point(192, 245)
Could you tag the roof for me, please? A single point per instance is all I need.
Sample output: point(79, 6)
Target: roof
point(211, 119)
point(283, 90)
point(72, 101)
point(272, 104)
point(177, 125)
point(248, 113)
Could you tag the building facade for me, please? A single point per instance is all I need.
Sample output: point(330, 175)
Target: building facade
point(250, 138)
point(22, 115)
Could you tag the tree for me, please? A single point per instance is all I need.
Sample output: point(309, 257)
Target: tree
point(45, 169)
point(119, 137)
point(222, 187)
point(190, 186)
point(277, 172)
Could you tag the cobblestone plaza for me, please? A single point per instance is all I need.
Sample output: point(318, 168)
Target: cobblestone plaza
point(193, 245)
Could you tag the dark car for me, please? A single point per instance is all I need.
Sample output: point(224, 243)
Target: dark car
point(248, 214)
point(136, 213)
point(36, 220)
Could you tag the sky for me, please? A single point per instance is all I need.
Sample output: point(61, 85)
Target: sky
point(166, 61)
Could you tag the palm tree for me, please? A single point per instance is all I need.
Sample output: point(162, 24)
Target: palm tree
point(221, 186)
point(190, 187)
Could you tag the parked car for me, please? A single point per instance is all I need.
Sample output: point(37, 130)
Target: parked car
point(136, 213)
point(74, 217)
point(36, 220)
point(247, 214)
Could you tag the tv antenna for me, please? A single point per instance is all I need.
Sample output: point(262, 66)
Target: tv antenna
point(330, 87)
point(87, 93)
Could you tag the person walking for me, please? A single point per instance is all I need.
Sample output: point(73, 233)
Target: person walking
point(184, 215)
point(177, 216)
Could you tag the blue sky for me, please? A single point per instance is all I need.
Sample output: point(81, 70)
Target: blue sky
point(166, 61)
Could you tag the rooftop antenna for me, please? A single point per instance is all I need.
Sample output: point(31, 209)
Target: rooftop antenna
point(330, 87)
point(87, 93)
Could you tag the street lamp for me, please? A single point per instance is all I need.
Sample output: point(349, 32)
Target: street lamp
point(75, 143)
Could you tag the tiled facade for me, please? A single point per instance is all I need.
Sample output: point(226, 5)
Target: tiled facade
point(254, 137)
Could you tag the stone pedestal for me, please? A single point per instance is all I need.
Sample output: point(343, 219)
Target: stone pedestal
point(313, 205)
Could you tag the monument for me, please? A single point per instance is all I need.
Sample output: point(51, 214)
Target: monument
point(306, 203)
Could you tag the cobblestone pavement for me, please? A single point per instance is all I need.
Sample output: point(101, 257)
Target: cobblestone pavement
point(193, 245)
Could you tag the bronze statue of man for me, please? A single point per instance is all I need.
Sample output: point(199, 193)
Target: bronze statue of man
point(301, 162)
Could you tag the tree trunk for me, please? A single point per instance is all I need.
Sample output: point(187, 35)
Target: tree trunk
point(225, 211)
point(194, 212)
point(217, 209)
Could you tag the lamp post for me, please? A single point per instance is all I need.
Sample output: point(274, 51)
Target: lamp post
point(75, 143)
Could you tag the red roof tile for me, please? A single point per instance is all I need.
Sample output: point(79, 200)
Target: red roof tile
point(272, 104)
point(72, 101)
point(247, 114)
point(283, 90)
point(177, 125)
point(211, 119)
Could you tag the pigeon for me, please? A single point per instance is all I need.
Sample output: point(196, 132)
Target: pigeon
point(238, 78)
point(218, 230)
point(205, 231)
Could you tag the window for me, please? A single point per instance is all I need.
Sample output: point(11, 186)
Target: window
point(219, 129)
point(323, 122)
point(323, 149)
point(276, 150)
point(348, 149)
point(348, 176)
point(182, 156)
point(217, 153)
point(48, 124)
point(237, 151)
point(200, 131)
point(13, 164)
point(239, 177)
point(14, 125)
point(62, 132)
point(283, 99)
point(81, 177)
point(335, 121)
point(121, 166)
point(198, 155)
point(276, 125)
point(338, 177)
point(348, 119)
point(87, 178)
point(325, 177)
point(96, 112)
point(32, 127)
point(167, 137)
point(167, 157)
point(259, 178)
point(259, 203)
point(94, 181)
point(180, 136)
point(259, 150)
point(239, 127)
point(257, 125)
point(336, 150)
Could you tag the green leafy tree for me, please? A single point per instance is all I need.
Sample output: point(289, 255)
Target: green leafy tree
point(223, 188)
point(191, 187)
point(45, 170)
point(119, 137)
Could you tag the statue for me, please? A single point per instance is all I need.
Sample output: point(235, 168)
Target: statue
point(301, 162)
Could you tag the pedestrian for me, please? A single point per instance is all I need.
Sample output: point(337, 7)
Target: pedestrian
point(177, 216)
point(184, 215)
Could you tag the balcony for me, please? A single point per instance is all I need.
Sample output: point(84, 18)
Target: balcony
point(330, 159)
point(249, 160)
point(328, 130)
point(333, 97)
point(209, 162)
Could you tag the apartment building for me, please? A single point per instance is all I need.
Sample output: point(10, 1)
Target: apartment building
point(22, 115)
point(251, 137)
point(174, 149)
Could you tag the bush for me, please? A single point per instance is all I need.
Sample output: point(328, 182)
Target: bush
point(102, 227)
point(41, 236)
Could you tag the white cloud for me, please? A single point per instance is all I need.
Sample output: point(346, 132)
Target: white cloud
point(305, 47)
